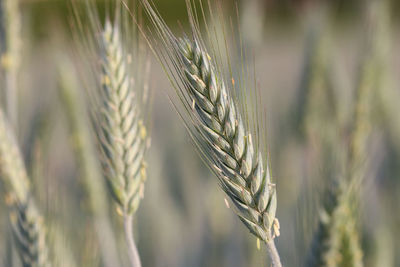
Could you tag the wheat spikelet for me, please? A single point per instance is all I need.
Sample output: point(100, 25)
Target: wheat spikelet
point(123, 134)
point(28, 230)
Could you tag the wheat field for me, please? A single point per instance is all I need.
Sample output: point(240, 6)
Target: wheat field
point(199, 133)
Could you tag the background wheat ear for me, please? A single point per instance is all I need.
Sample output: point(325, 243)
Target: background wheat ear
point(28, 230)
point(123, 135)
point(89, 166)
point(27, 225)
point(337, 242)
point(219, 130)
point(119, 120)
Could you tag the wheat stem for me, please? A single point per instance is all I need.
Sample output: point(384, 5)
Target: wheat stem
point(134, 257)
point(122, 134)
point(88, 165)
point(273, 253)
point(10, 60)
point(218, 129)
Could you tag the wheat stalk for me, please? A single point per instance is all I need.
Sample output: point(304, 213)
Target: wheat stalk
point(28, 229)
point(88, 164)
point(338, 233)
point(122, 134)
point(11, 57)
point(220, 131)
point(335, 242)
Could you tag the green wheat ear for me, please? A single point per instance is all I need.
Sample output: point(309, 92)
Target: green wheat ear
point(117, 90)
point(28, 231)
point(123, 135)
point(228, 144)
point(219, 128)
point(337, 242)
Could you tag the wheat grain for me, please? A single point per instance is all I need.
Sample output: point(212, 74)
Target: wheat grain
point(28, 230)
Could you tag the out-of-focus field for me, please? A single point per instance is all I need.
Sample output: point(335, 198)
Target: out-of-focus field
point(183, 220)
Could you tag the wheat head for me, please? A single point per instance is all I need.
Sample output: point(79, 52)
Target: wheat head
point(28, 231)
point(338, 237)
point(229, 146)
point(214, 120)
point(27, 225)
point(336, 241)
point(123, 135)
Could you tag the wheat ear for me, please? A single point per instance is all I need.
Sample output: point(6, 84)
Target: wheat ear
point(336, 223)
point(11, 58)
point(219, 131)
point(229, 146)
point(27, 224)
point(238, 166)
point(122, 136)
point(339, 234)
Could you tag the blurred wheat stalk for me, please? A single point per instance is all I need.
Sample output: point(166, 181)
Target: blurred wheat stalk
point(121, 129)
point(11, 55)
point(27, 224)
point(337, 241)
point(88, 165)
